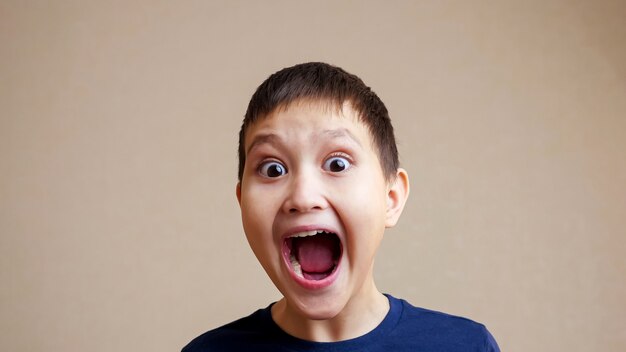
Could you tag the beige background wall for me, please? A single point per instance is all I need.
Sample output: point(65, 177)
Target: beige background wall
point(119, 229)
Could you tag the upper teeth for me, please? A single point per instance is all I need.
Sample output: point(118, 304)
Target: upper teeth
point(307, 233)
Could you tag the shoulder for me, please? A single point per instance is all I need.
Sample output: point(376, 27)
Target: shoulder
point(432, 328)
point(235, 336)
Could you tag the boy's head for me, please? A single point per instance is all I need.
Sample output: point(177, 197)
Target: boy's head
point(318, 184)
point(333, 87)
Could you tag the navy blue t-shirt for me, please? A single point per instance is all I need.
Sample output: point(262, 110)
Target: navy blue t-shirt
point(405, 328)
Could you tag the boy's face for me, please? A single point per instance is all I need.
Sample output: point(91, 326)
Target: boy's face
point(314, 205)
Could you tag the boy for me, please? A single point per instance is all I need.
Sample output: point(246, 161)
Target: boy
point(319, 181)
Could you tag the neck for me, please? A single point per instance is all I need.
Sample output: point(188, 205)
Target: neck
point(361, 314)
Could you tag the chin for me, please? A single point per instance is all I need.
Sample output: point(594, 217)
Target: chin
point(318, 308)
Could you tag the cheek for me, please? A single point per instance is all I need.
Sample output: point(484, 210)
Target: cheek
point(363, 210)
point(256, 215)
point(367, 199)
point(257, 200)
point(258, 232)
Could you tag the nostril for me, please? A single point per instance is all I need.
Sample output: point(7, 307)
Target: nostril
point(305, 209)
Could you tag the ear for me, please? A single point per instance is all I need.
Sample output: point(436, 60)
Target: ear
point(238, 192)
point(397, 195)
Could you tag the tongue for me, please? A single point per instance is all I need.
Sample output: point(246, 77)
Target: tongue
point(315, 253)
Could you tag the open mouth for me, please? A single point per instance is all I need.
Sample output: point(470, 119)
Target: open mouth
point(313, 255)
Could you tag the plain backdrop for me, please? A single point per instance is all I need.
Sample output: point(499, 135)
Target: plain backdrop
point(119, 226)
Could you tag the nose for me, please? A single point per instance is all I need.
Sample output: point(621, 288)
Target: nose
point(305, 193)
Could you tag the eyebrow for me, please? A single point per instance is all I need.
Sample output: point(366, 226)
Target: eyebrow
point(342, 133)
point(274, 139)
point(266, 138)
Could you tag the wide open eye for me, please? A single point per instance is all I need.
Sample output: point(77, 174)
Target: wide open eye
point(272, 169)
point(336, 164)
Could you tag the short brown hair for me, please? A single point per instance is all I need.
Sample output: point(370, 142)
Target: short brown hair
point(317, 81)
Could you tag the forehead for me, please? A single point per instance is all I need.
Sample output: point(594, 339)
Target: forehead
point(311, 119)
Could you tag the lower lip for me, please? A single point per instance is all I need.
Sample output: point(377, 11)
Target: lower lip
point(310, 284)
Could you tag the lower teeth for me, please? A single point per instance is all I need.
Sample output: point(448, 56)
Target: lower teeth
point(296, 266)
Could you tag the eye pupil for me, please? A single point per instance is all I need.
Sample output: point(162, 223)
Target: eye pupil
point(337, 165)
point(275, 170)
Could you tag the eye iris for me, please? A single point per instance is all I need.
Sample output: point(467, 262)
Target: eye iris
point(337, 165)
point(275, 170)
